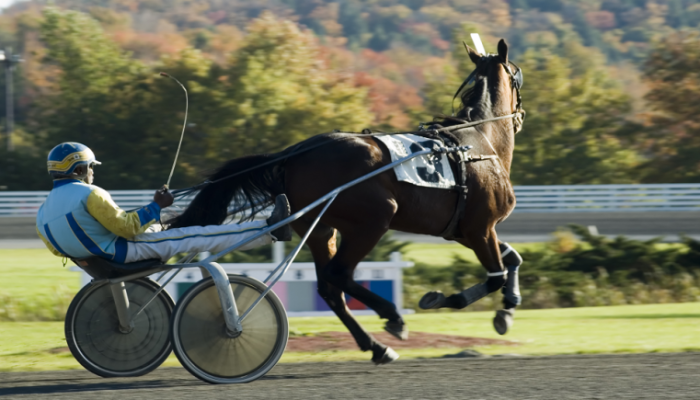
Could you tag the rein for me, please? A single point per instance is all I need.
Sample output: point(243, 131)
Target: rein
point(475, 123)
point(516, 83)
point(186, 191)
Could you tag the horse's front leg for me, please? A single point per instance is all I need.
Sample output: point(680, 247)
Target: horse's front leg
point(511, 291)
point(486, 248)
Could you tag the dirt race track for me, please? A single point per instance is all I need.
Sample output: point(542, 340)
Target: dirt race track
point(639, 376)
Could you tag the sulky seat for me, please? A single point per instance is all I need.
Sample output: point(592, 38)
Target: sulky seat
point(100, 268)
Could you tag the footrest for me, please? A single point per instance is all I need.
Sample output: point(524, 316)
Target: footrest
point(100, 268)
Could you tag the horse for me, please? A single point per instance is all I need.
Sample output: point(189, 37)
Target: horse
point(488, 119)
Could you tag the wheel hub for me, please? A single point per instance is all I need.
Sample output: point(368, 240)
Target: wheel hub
point(231, 334)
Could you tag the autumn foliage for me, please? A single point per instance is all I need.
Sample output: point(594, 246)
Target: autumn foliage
point(611, 87)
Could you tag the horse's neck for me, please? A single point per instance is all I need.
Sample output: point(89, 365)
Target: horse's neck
point(502, 140)
point(500, 134)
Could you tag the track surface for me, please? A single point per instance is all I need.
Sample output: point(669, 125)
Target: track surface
point(639, 376)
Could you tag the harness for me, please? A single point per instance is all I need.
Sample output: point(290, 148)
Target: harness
point(458, 160)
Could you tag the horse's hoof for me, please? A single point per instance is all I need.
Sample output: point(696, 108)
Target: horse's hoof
point(397, 329)
point(432, 300)
point(388, 356)
point(503, 321)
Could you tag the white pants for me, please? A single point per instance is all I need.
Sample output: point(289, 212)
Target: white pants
point(213, 238)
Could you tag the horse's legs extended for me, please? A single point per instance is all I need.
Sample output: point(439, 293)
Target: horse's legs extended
point(493, 255)
point(355, 244)
point(486, 248)
point(322, 244)
point(340, 271)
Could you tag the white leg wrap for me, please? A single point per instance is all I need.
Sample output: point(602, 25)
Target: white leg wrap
point(512, 260)
point(512, 289)
point(213, 238)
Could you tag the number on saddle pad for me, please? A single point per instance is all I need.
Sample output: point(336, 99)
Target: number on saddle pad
point(432, 170)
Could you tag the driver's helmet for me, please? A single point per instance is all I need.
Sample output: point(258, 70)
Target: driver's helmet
point(64, 158)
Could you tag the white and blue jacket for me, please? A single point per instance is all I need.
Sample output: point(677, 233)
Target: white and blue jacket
point(78, 220)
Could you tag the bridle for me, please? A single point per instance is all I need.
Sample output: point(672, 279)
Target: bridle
point(518, 116)
point(516, 82)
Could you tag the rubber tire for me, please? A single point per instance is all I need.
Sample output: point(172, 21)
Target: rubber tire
point(281, 336)
point(163, 300)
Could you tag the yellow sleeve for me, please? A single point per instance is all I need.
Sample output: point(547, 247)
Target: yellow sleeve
point(125, 224)
point(48, 244)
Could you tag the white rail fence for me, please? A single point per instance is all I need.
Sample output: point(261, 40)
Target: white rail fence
point(542, 199)
point(600, 198)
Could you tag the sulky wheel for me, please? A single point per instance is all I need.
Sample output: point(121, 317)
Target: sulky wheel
point(94, 338)
point(203, 346)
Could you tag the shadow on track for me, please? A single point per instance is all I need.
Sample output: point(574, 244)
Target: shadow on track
point(92, 383)
point(91, 387)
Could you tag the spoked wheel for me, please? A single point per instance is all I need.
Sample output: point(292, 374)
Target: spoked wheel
point(203, 346)
point(96, 341)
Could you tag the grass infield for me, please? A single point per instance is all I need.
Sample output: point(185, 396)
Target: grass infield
point(621, 329)
point(443, 254)
point(34, 272)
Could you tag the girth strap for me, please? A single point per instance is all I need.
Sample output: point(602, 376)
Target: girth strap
point(458, 161)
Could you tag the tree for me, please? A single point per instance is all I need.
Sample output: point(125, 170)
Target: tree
point(674, 98)
point(116, 105)
point(571, 132)
point(275, 91)
point(279, 91)
point(94, 91)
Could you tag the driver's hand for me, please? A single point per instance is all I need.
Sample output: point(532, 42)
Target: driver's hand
point(163, 197)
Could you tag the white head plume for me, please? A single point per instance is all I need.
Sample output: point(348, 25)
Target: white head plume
point(477, 43)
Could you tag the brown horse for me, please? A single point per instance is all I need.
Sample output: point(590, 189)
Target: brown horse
point(365, 212)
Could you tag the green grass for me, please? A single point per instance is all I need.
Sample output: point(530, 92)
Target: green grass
point(443, 254)
point(620, 329)
point(34, 272)
point(34, 285)
point(643, 328)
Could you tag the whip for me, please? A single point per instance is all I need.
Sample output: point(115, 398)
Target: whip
point(184, 125)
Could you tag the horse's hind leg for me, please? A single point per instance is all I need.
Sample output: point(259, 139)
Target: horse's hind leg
point(322, 244)
point(356, 243)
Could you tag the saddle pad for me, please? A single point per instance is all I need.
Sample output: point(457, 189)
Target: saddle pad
point(432, 170)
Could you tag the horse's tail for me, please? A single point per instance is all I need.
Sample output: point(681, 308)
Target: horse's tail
point(251, 191)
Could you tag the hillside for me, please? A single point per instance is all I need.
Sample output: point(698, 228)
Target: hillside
point(593, 111)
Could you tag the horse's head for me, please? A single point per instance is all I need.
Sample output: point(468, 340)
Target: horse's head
point(492, 89)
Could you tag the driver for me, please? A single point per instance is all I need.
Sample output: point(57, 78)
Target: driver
point(79, 220)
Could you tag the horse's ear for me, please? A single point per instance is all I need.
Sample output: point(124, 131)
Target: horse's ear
point(503, 51)
point(473, 55)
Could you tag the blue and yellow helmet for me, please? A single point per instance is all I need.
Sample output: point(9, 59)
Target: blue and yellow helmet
point(64, 158)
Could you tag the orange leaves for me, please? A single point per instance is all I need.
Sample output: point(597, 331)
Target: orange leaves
point(601, 19)
point(390, 101)
point(150, 46)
